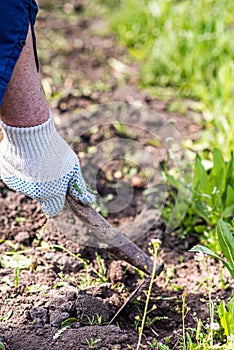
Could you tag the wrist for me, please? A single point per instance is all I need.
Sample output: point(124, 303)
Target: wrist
point(28, 121)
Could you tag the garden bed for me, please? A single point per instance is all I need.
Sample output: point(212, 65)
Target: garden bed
point(64, 279)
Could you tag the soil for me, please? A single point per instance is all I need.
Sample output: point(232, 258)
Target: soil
point(63, 278)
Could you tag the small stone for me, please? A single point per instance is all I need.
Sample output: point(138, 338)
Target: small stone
point(56, 318)
point(68, 306)
point(39, 313)
point(23, 237)
point(40, 331)
point(71, 296)
point(76, 324)
point(27, 314)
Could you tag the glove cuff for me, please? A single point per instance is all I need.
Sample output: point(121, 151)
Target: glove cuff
point(24, 149)
point(17, 135)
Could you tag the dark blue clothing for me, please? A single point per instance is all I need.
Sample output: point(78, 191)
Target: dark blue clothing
point(15, 18)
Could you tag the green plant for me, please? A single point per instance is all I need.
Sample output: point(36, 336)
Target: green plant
point(65, 325)
point(153, 345)
point(212, 197)
point(14, 260)
point(6, 316)
point(226, 243)
point(16, 276)
point(154, 251)
point(213, 191)
point(95, 319)
point(184, 49)
point(76, 256)
point(2, 346)
point(202, 336)
point(226, 315)
point(17, 261)
point(161, 346)
point(101, 271)
point(92, 342)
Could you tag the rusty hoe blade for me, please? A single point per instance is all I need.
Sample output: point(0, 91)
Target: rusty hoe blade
point(116, 242)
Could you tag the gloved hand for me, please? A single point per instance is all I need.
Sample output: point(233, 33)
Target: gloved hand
point(37, 162)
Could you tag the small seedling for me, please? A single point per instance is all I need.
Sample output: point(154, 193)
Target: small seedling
point(155, 243)
point(95, 319)
point(65, 325)
point(2, 346)
point(6, 316)
point(16, 276)
point(92, 342)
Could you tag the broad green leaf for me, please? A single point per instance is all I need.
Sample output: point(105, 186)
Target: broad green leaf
point(230, 169)
point(230, 307)
point(225, 318)
point(229, 196)
point(228, 211)
point(226, 242)
point(218, 174)
point(68, 322)
point(65, 325)
point(202, 249)
point(205, 250)
point(200, 181)
point(200, 209)
point(2, 346)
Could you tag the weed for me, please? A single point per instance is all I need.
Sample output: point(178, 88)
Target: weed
point(95, 319)
point(15, 260)
point(65, 325)
point(226, 243)
point(226, 315)
point(159, 346)
point(212, 198)
point(85, 277)
point(185, 311)
point(101, 272)
point(6, 316)
point(154, 251)
point(2, 346)
point(153, 345)
point(76, 256)
point(37, 288)
point(184, 47)
point(92, 342)
point(205, 339)
point(16, 276)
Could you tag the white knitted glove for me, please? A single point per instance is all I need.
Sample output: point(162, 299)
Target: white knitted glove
point(37, 162)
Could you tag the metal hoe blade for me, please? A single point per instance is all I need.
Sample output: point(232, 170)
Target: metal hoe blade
point(116, 242)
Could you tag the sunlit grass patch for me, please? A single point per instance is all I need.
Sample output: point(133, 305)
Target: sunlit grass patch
point(187, 46)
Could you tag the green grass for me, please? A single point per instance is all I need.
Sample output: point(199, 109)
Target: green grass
point(187, 46)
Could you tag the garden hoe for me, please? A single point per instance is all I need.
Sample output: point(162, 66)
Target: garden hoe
point(116, 243)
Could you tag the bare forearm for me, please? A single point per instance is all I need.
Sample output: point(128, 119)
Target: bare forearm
point(24, 103)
